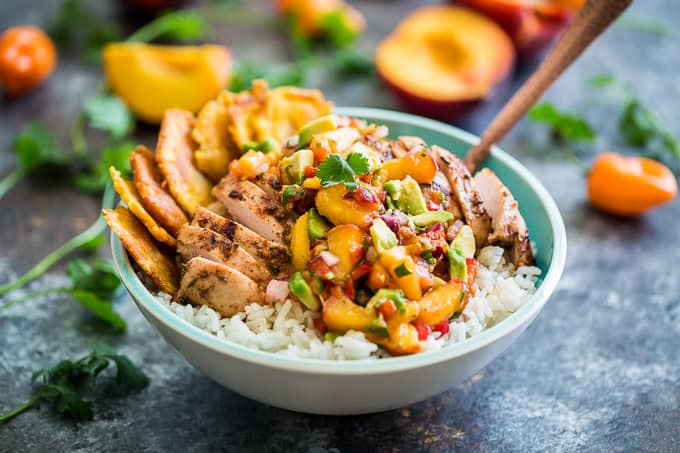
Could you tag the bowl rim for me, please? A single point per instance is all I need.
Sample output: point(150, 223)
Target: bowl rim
point(151, 305)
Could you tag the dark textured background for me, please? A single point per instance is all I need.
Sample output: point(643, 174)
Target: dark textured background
point(599, 369)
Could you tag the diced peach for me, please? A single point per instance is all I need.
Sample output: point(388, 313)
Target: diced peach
point(347, 243)
point(440, 303)
point(419, 165)
point(332, 204)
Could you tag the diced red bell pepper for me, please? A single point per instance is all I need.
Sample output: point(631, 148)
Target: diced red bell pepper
point(361, 270)
point(387, 308)
point(310, 172)
point(349, 289)
point(472, 268)
point(432, 206)
point(443, 327)
point(320, 325)
point(423, 330)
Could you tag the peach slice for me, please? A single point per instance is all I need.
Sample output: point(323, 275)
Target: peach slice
point(151, 79)
point(532, 24)
point(441, 60)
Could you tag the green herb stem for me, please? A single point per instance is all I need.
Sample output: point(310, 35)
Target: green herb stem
point(78, 141)
point(33, 295)
point(21, 408)
point(11, 180)
point(97, 228)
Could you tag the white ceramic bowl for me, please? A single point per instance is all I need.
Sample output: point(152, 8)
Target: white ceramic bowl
point(350, 387)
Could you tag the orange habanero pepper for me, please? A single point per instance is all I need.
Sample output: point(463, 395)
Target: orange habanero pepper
point(27, 57)
point(629, 186)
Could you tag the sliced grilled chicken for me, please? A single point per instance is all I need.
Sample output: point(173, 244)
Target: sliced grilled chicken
point(469, 201)
point(508, 226)
point(149, 183)
point(251, 206)
point(441, 184)
point(217, 285)
point(196, 241)
point(270, 182)
point(273, 254)
point(216, 207)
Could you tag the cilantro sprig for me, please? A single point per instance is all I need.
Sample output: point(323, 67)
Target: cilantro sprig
point(93, 285)
point(66, 384)
point(563, 125)
point(336, 170)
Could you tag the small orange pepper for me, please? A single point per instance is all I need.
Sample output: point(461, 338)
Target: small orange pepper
point(629, 186)
point(27, 57)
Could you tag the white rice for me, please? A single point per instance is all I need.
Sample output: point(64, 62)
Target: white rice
point(287, 328)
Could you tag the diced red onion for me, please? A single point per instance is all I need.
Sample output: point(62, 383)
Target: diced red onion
point(453, 230)
point(277, 290)
point(436, 227)
point(305, 202)
point(329, 258)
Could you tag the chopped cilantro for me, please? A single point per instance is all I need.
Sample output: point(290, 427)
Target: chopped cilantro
point(401, 271)
point(565, 126)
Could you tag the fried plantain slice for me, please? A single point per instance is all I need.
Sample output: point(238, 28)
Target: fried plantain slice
point(149, 184)
point(216, 148)
point(128, 193)
point(155, 263)
point(290, 108)
point(175, 157)
point(260, 113)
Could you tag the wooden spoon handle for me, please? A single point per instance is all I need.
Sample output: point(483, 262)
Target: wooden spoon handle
point(593, 19)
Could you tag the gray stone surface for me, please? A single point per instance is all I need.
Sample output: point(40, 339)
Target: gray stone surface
point(598, 370)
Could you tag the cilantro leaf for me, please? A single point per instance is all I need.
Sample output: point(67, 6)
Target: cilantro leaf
point(602, 80)
point(359, 163)
point(63, 385)
point(245, 72)
point(35, 148)
point(178, 25)
point(565, 126)
point(102, 309)
point(350, 63)
point(637, 124)
point(96, 176)
point(335, 170)
point(127, 374)
point(108, 113)
point(336, 27)
point(99, 278)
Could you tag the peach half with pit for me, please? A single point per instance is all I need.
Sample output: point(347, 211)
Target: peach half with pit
point(442, 60)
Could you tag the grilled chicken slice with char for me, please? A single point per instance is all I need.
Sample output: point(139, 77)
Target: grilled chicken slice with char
point(469, 200)
point(251, 206)
point(508, 226)
point(219, 286)
point(196, 241)
point(273, 254)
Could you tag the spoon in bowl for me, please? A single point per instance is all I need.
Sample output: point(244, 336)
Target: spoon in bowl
point(593, 18)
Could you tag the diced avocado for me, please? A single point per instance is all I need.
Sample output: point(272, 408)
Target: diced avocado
point(293, 167)
point(266, 145)
point(383, 237)
point(300, 289)
point(465, 242)
point(457, 265)
point(318, 227)
point(317, 126)
point(395, 295)
point(393, 189)
point(431, 217)
point(330, 336)
point(411, 200)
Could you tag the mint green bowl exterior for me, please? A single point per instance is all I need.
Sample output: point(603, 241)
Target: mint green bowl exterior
point(355, 387)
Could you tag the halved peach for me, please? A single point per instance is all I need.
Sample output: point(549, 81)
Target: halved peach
point(441, 60)
point(532, 24)
point(151, 79)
